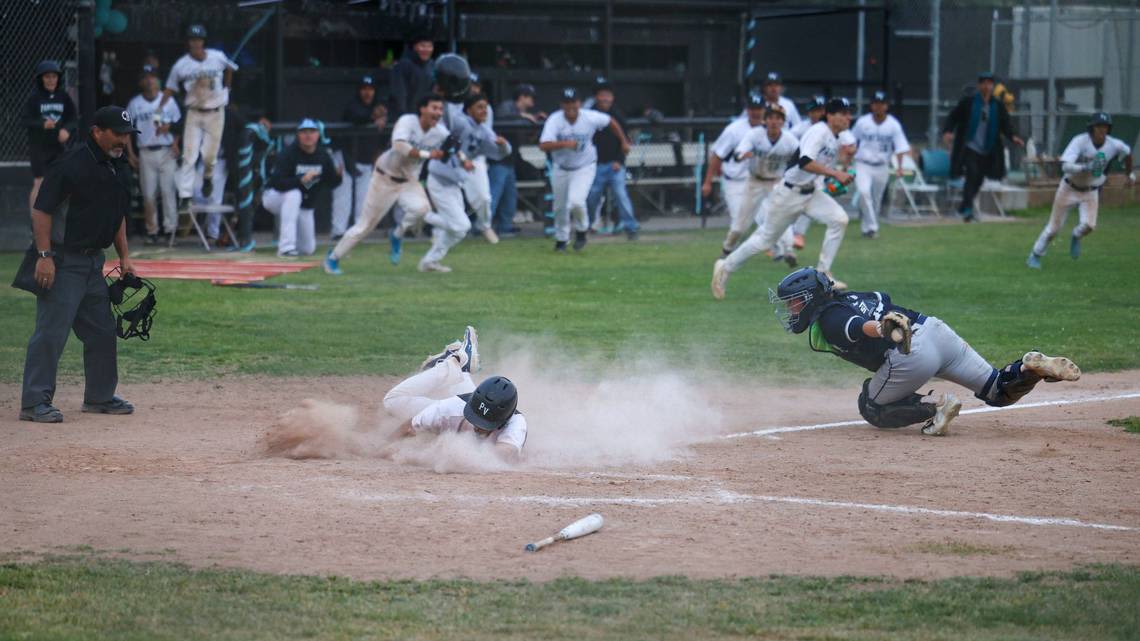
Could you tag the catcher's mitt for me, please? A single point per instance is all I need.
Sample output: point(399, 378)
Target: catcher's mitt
point(896, 327)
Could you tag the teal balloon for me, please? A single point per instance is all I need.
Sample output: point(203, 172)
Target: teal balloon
point(116, 21)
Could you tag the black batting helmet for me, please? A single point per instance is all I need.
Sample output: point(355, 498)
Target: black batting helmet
point(492, 403)
point(453, 77)
point(1100, 118)
point(799, 297)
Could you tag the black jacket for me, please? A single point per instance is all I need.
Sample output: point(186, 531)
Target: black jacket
point(958, 122)
point(42, 105)
point(411, 80)
point(293, 162)
point(363, 147)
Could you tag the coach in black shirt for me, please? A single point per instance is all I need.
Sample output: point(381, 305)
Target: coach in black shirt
point(611, 164)
point(80, 211)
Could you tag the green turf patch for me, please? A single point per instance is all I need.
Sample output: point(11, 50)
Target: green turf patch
point(1130, 424)
point(959, 548)
point(620, 300)
point(94, 598)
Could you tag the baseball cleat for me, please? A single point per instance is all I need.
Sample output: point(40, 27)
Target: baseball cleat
point(798, 241)
point(835, 282)
point(560, 246)
point(719, 279)
point(1075, 247)
point(432, 266)
point(946, 410)
point(1034, 261)
point(332, 264)
point(1051, 368)
point(790, 260)
point(469, 347)
point(491, 236)
point(451, 350)
point(579, 240)
point(397, 245)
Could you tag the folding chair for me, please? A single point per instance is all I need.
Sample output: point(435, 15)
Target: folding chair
point(916, 186)
point(196, 209)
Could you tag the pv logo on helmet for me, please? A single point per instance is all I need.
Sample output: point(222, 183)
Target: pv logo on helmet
point(484, 409)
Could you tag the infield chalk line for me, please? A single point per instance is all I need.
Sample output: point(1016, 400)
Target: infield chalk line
point(976, 410)
point(723, 497)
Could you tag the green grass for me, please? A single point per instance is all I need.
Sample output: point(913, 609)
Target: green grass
point(97, 598)
point(1130, 424)
point(620, 298)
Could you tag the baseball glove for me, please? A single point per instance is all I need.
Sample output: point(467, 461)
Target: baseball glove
point(896, 327)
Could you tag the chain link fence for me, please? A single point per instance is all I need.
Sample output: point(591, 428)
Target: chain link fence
point(31, 31)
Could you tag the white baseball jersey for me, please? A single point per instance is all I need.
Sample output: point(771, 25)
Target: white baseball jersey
point(878, 142)
point(818, 144)
point(1081, 151)
point(408, 130)
point(726, 144)
point(799, 130)
point(581, 131)
point(202, 81)
point(792, 118)
point(143, 114)
point(769, 159)
point(447, 416)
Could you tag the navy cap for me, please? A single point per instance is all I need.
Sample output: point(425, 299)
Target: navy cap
point(838, 104)
point(773, 77)
point(114, 118)
point(308, 123)
point(600, 83)
point(525, 89)
point(756, 101)
point(196, 31)
point(48, 66)
point(475, 78)
point(1100, 118)
point(149, 70)
point(987, 75)
point(817, 102)
point(367, 81)
point(569, 94)
point(879, 96)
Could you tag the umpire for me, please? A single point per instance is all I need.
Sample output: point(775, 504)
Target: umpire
point(80, 210)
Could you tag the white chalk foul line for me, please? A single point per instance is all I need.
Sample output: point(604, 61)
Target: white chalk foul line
point(976, 410)
point(724, 497)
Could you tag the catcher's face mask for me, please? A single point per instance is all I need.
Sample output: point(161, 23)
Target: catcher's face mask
point(133, 304)
point(791, 308)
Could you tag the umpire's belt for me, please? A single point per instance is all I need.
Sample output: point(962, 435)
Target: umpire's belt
point(85, 251)
point(390, 176)
point(801, 190)
point(1078, 187)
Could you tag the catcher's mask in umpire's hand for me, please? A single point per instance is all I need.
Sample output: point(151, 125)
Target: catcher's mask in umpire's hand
point(133, 304)
point(453, 77)
point(492, 404)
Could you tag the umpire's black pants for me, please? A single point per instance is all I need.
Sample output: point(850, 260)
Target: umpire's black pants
point(78, 300)
point(977, 168)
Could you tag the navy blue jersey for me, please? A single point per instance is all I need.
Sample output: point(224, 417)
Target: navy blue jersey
point(839, 328)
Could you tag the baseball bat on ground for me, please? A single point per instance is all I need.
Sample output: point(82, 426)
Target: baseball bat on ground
point(581, 527)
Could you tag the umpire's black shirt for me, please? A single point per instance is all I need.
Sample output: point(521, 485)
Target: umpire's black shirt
point(87, 193)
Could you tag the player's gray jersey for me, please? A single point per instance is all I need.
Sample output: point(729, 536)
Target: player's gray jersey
point(1084, 157)
point(878, 141)
point(475, 140)
point(143, 113)
point(408, 130)
point(581, 131)
point(769, 159)
point(202, 81)
point(725, 148)
point(818, 144)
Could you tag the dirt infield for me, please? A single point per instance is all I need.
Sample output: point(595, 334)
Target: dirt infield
point(187, 479)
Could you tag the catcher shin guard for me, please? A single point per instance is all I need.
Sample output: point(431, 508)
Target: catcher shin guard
point(903, 412)
point(1007, 385)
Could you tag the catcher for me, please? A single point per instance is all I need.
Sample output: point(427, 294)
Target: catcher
point(904, 349)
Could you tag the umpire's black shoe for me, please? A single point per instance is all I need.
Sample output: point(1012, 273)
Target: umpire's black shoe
point(42, 413)
point(579, 240)
point(114, 406)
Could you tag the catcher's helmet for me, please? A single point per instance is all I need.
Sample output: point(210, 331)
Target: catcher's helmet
point(133, 304)
point(492, 403)
point(799, 297)
point(1100, 118)
point(48, 66)
point(453, 77)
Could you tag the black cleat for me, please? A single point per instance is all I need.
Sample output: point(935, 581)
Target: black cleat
point(579, 240)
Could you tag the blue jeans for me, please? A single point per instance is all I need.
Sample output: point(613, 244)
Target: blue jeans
point(607, 176)
point(504, 195)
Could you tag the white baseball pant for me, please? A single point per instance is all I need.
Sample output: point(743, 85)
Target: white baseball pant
point(871, 183)
point(414, 394)
point(448, 220)
point(781, 208)
point(571, 188)
point(477, 189)
point(341, 198)
point(156, 173)
point(201, 137)
point(218, 184)
point(734, 191)
point(752, 210)
point(383, 193)
point(1087, 203)
point(297, 228)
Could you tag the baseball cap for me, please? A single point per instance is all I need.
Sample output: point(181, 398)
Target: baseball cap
point(1100, 118)
point(308, 123)
point(774, 110)
point(475, 78)
point(114, 118)
point(569, 94)
point(817, 102)
point(196, 31)
point(367, 80)
point(987, 75)
point(773, 77)
point(838, 104)
point(601, 83)
point(525, 89)
point(756, 101)
point(149, 70)
point(879, 96)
